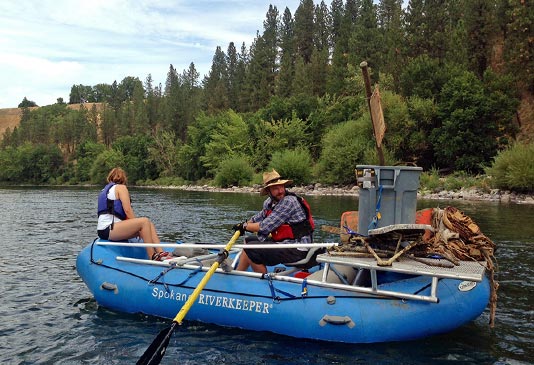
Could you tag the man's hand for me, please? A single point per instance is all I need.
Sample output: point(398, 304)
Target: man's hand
point(241, 227)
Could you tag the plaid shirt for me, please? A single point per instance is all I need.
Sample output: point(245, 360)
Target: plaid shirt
point(287, 210)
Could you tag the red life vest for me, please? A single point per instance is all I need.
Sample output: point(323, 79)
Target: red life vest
point(294, 230)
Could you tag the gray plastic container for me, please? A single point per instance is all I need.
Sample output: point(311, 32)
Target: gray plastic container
point(398, 195)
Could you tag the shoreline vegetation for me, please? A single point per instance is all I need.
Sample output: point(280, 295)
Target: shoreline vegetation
point(467, 194)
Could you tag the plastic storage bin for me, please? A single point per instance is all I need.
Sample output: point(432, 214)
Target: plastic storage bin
point(388, 195)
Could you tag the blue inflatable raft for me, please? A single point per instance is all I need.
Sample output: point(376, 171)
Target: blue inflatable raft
point(344, 299)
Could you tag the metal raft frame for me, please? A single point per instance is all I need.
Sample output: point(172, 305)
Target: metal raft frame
point(466, 270)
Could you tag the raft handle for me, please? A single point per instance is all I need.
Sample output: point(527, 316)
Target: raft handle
point(109, 286)
point(337, 320)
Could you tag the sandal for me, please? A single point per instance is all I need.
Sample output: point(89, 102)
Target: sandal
point(161, 256)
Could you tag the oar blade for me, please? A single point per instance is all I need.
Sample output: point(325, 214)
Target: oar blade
point(154, 353)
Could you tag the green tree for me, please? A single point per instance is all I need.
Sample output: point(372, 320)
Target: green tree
point(304, 30)
point(216, 84)
point(287, 55)
point(25, 103)
point(519, 44)
point(468, 137)
point(428, 25)
point(302, 82)
point(365, 40)
point(342, 26)
point(257, 86)
point(81, 94)
point(189, 164)
point(101, 93)
point(85, 155)
point(390, 25)
point(153, 104)
point(277, 135)
point(104, 162)
point(270, 37)
point(229, 138)
point(481, 31)
point(192, 99)
point(137, 162)
point(139, 115)
point(10, 169)
point(234, 82)
point(163, 153)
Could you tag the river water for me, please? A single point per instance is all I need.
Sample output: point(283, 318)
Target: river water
point(49, 317)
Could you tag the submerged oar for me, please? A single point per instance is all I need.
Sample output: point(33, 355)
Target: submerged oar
point(157, 348)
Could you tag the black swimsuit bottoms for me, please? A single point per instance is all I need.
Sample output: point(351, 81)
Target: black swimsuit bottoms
point(103, 233)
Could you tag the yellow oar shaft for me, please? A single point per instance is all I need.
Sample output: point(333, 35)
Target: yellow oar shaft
point(193, 297)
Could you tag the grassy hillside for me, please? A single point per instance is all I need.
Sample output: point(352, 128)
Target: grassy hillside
point(10, 117)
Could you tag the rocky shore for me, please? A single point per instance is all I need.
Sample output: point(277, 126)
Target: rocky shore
point(319, 189)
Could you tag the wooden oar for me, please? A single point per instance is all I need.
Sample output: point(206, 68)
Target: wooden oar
point(157, 348)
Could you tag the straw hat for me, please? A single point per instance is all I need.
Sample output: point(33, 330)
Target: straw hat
point(272, 178)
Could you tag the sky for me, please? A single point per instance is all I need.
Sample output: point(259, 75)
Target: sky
point(47, 46)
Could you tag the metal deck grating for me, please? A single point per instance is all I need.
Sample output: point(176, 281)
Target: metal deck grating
point(467, 270)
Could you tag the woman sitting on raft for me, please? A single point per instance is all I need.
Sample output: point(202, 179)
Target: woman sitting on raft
point(116, 218)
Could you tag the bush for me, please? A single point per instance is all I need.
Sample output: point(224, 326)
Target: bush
point(343, 147)
point(513, 168)
point(234, 171)
point(430, 180)
point(293, 164)
point(459, 180)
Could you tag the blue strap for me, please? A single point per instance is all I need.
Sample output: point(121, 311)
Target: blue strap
point(173, 266)
point(377, 216)
point(192, 273)
point(162, 276)
point(276, 298)
point(304, 291)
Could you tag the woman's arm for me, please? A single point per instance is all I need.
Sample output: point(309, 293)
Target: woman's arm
point(122, 193)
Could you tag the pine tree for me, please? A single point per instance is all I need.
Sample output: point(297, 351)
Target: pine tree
point(304, 30)
point(340, 44)
point(302, 83)
point(257, 80)
point(216, 83)
point(233, 86)
point(139, 111)
point(171, 107)
point(428, 25)
point(320, 55)
point(287, 55)
point(270, 41)
point(390, 24)
point(519, 44)
point(481, 32)
point(243, 61)
point(365, 41)
point(192, 99)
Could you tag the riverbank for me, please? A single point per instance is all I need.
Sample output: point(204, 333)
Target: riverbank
point(472, 194)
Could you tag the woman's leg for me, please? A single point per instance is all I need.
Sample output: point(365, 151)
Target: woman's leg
point(141, 227)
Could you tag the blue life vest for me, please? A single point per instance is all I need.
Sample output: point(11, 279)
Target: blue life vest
point(108, 206)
